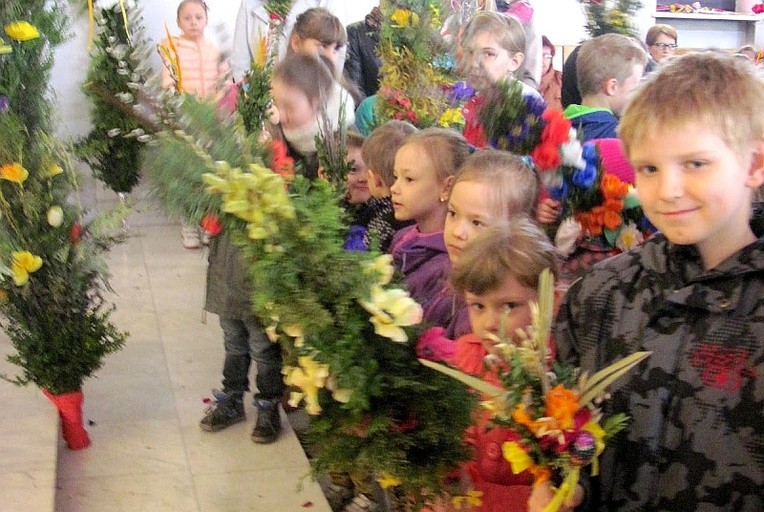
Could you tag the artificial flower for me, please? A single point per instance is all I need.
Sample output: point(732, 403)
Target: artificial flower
point(54, 170)
point(5, 104)
point(309, 377)
point(21, 31)
point(341, 395)
point(211, 224)
point(391, 310)
point(561, 404)
point(404, 18)
point(295, 331)
point(24, 263)
point(517, 457)
point(613, 188)
point(471, 499)
point(611, 218)
point(381, 266)
point(55, 216)
point(14, 172)
point(546, 156)
point(557, 129)
point(629, 237)
point(451, 117)
point(75, 233)
point(566, 237)
point(387, 480)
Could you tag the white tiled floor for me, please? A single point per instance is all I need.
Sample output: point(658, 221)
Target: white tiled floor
point(148, 452)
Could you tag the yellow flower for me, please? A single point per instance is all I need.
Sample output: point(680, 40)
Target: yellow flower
point(310, 376)
point(54, 170)
point(629, 237)
point(387, 480)
point(21, 31)
point(295, 331)
point(472, 499)
point(518, 458)
point(391, 310)
point(452, 116)
point(404, 18)
point(5, 48)
point(14, 172)
point(381, 266)
point(342, 395)
point(24, 263)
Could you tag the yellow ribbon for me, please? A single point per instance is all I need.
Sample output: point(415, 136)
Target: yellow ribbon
point(91, 22)
point(124, 18)
point(564, 494)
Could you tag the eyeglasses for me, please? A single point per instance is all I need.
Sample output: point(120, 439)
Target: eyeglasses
point(664, 46)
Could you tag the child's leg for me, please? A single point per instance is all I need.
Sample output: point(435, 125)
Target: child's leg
point(270, 385)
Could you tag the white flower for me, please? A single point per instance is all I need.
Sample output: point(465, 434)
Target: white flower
point(55, 216)
point(391, 310)
point(629, 237)
point(572, 154)
point(381, 266)
point(566, 237)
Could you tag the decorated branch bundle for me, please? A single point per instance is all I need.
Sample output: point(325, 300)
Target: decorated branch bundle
point(346, 325)
point(554, 410)
point(113, 147)
point(52, 272)
point(611, 16)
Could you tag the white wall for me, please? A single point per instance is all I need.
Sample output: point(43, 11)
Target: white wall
point(560, 20)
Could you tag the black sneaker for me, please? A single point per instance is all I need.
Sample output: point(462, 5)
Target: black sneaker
point(226, 411)
point(268, 423)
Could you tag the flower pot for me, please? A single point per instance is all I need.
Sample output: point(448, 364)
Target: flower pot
point(69, 407)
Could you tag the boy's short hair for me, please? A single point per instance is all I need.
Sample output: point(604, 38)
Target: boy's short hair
point(320, 24)
point(605, 57)
point(445, 148)
point(379, 148)
point(660, 29)
point(355, 140)
point(712, 89)
point(514, 186)
point(518, 248)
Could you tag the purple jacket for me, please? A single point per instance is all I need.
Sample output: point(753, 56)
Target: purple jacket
point(424, 263)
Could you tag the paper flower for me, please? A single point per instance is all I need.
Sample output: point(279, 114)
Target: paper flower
point(14, 172)
point(24, 263)
point(404, 17)
point(211, 224)
point(309, 377)
point(387, 480)
point(21, 31)
point(391, 310)
point(381, 266)
point(55, 216)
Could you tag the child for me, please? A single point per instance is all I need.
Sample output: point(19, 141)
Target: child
point(424, 171)
point(498, 276)
point(303, 90)
point(378, 152)
point(357, 195)
point(244, 339)
point(491, 187)
point(494, 47)
point(609, 68)
point(693, 295)
point(202, 71)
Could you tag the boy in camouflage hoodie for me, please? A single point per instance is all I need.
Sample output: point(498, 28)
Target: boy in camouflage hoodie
point(693, 295)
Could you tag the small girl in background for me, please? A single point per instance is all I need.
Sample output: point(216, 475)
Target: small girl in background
point(424, 170)
point(195, 66)
point(493, 50)
point(498, 275)
point(201, 66)
point(357, 195)
point(304, 90)
point(491, 187)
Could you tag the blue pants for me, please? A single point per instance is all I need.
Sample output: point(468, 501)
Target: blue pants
point(245, 341)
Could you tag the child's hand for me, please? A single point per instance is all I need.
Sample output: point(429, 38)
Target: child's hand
point(273, 115)
point(548, 211)
point(542, 494)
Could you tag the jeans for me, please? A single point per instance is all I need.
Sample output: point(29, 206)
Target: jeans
point(244, 341)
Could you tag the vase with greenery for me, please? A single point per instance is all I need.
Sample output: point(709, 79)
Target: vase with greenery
point(52, 272)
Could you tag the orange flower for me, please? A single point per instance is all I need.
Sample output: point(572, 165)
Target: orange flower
point(613, 188)
point(13, 172)
point(611, 217)
point(561, 404)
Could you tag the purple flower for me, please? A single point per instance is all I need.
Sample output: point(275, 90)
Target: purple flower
point(5, 104)
point(461, 91)
point(536, 105)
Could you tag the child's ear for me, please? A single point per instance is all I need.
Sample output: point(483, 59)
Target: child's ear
point(610, 86)
point(294, 42)
point(375, 179)
point(517, 60)
point(445, 189)
point(756, 171)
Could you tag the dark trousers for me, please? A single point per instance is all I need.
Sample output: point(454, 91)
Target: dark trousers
point(245, 341)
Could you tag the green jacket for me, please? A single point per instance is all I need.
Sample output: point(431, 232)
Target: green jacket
point(229, 288)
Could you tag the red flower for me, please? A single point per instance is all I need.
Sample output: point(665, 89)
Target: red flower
point(557, 128)
point(546, 156)
point(274, 16)
point(281, 163)
point(75, 233)
point(211, 224)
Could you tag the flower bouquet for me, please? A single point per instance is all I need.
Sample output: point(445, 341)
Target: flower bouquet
point(601, 215)
point(556, 411)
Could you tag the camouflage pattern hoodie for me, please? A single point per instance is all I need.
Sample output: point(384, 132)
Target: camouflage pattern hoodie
point(695, 440)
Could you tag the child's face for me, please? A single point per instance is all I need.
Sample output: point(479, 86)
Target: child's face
point(696, 190)
point(468, 214)
point(509, 302)
point(357, 179)
point(295, 109)
point(486, 61)
point(623, 91)
point(192, 20)
point(417, 193)
point(312, 46)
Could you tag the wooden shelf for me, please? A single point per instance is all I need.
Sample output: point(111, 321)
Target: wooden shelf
point(726, 16)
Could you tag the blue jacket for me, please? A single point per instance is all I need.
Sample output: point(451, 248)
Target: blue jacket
point(596, 123)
